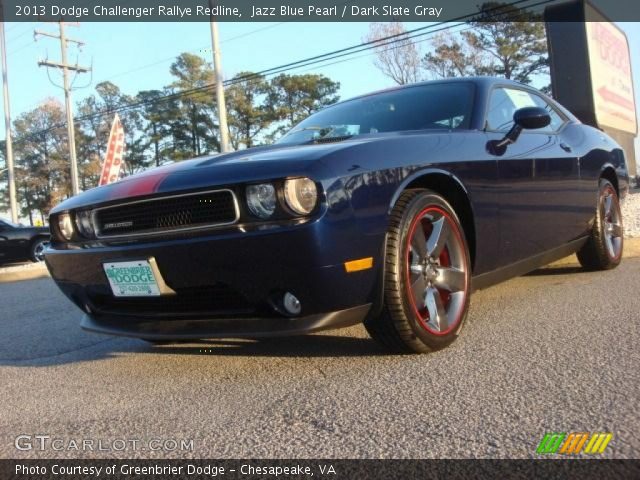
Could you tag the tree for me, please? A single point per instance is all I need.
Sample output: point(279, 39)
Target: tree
point(503, 41)
point(91, 141)
point(249, 109)
point(42, 162)
point(193, 128)
point(95, 127)
point(453, 58)
point(157, 130)
point(517, 50)
point(399, 60)
point(295, 97)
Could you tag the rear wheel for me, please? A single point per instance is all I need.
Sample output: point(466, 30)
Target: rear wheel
point(427, 276)
point(603, 250)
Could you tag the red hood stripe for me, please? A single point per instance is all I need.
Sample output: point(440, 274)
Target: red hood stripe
point(144, 185)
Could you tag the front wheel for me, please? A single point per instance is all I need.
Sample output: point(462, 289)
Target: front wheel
point(37, 250)
point(427, 276)
point(603, 250)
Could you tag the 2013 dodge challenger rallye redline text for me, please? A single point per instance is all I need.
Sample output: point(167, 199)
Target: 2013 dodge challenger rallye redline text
point(386, 209)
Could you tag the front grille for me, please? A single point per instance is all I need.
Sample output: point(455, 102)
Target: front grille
point(158, 215)
point(213, 301)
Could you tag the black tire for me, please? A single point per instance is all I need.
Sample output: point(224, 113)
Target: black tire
point(603, 250)
point(406, 324)
point(36, 249)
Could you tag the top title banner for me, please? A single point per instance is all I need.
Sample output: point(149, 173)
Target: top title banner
point(289, 10)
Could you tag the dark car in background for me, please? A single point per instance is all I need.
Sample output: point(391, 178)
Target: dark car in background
point(387, 209)
point(19, 243)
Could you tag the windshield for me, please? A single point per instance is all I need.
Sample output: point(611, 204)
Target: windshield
point(7, 222)
point(425, 107)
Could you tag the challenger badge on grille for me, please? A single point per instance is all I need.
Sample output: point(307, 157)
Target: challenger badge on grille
point(111, 226)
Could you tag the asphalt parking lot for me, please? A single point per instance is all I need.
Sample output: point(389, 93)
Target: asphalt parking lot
point(556, 350)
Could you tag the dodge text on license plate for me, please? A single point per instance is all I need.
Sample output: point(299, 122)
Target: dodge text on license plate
point(132, 279)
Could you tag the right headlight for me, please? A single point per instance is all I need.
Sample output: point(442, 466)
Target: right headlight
point(65, 225)
point(301, 195)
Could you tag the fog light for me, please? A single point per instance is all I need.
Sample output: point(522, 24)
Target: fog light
point(291, 304)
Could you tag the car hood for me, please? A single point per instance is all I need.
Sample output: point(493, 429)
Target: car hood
point(317, 161)
point(255, 164)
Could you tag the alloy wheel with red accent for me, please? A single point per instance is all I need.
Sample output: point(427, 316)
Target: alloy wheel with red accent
point(427, 275)
point(603, 250)
point(436, 270)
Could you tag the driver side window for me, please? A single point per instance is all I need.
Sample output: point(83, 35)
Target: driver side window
point(500, 112)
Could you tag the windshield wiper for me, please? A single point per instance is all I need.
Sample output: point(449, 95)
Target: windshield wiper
point(337, 138)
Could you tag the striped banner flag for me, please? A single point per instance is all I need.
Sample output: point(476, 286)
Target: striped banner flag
point(115, 152)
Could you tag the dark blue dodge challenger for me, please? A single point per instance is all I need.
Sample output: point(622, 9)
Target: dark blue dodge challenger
point(387, 209)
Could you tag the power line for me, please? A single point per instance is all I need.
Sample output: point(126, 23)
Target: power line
point(13, 27)
point(242, 35)
point(276, 70)
point(20, 35)
point(22, 47)
point(374, 44)
point(168, 59)
point(317, 59)
point(386, 49)
point(233, 81)
point(177, 95)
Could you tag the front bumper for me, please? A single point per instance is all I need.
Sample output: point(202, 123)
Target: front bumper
point(228, 282)
point(224, 327)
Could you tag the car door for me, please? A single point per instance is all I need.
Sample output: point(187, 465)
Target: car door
point(536, 176)
point(7, 242)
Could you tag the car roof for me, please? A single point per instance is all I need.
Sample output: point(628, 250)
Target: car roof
point(483, 81)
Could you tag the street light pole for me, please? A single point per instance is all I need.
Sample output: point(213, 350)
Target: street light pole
point(222, 107)
point(7, 123)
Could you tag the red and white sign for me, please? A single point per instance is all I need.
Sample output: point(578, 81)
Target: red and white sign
point(612, 84)
point(115, 152)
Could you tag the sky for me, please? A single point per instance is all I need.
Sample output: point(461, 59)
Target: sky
point(137, 56)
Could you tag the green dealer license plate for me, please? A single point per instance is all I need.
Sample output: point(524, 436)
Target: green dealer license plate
point(132, 279)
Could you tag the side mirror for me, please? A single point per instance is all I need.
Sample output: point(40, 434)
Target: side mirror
point(529, 118)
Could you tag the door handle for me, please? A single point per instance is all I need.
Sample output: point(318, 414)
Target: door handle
point(565, 147)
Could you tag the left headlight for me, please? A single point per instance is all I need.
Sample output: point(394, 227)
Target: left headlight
point(65, 225)
point(261, 200)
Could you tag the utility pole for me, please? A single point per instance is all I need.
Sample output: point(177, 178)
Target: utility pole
point(65, 67)
point(7, 125)
point(217, 67)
